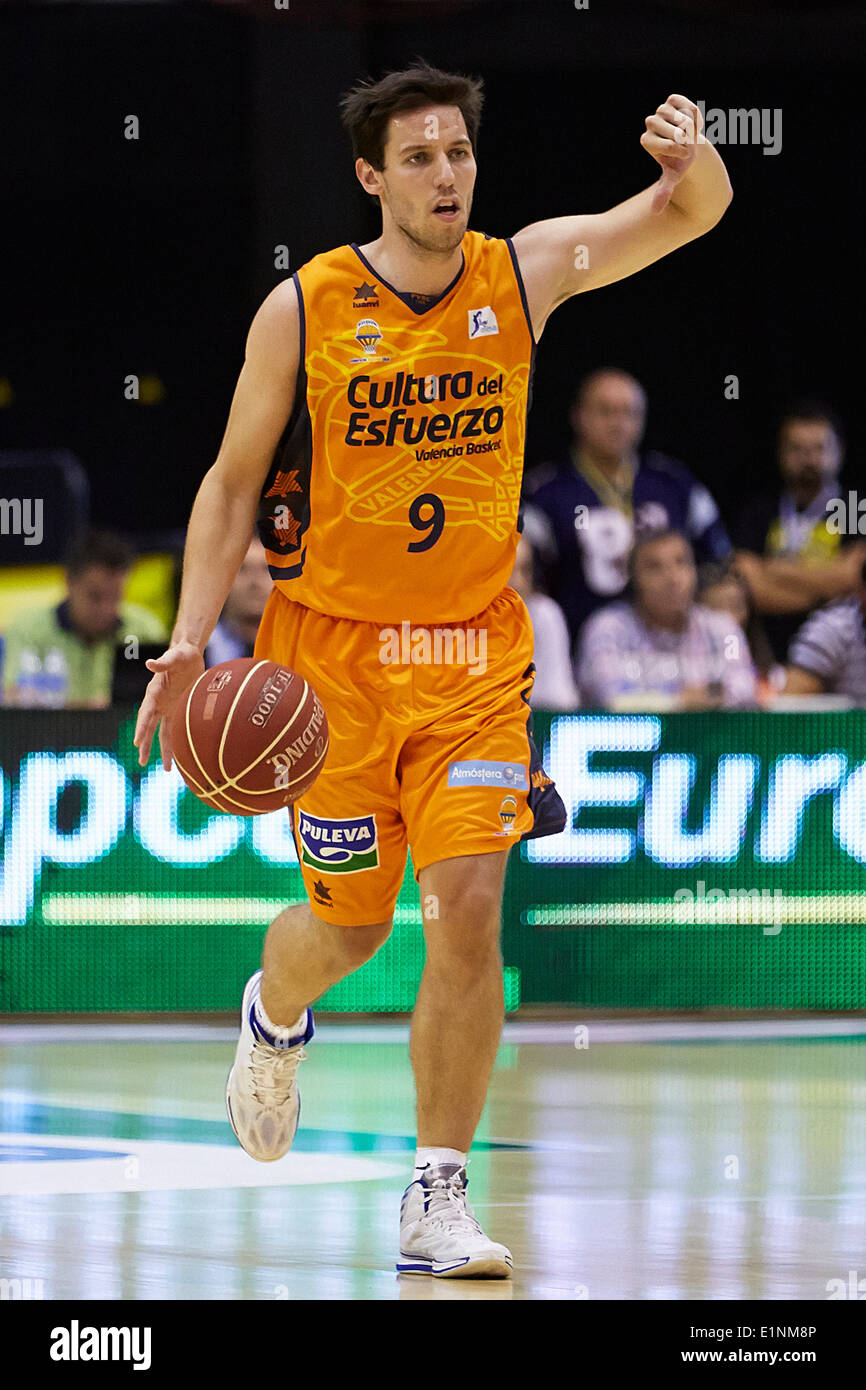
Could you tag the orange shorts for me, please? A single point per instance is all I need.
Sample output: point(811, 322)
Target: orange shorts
point(430, 747)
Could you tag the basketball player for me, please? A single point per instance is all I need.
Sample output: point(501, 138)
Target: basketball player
point(376, 435)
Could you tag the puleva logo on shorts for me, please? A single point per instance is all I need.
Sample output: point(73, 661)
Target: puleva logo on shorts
point(338, 846)
point(481, 773)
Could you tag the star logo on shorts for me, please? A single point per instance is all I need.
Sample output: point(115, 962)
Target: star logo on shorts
point(322, 894)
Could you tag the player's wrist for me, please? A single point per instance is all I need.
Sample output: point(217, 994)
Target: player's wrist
point(182, 638)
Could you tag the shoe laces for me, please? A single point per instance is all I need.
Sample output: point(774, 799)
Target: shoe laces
point(273, 1071)
point(448, 1208)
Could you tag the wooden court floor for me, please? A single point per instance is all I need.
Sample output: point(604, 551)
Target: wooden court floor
point(659, 1161)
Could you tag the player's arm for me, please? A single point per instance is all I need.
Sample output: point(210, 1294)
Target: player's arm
point(224, 510)
point(565, 256)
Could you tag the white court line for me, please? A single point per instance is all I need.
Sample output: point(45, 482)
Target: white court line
point(771, 907)
point(144, 1165)
point(557, 1032)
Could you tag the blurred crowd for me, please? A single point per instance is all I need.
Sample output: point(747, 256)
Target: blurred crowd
point(640, 597)
point(643, 600)
point(81, 652)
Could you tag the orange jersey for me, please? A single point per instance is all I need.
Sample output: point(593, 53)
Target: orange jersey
point(393, 494)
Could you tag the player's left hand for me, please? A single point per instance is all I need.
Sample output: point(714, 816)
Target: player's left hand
point(671, 137)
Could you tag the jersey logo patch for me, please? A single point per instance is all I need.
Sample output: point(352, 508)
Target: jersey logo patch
point(368, 334)
point(482, 322)
point(365, 296)
point(338, 846)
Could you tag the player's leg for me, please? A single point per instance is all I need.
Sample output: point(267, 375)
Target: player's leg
point(351, 846)
point(472, 785)
point(460, 1007)
point(304, 956)
point(455, 1033)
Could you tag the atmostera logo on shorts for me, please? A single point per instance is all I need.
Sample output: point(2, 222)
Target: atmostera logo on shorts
point(338, 846)
point(480, 772)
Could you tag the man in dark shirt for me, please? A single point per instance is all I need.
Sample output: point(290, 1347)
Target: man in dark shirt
point(790, 556)
point(583, 511)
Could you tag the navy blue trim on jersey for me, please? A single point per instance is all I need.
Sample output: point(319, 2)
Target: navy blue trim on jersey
point(302, 360)
point(293, 454)
point(288, 571)
point(532, 356)
point(520, 285)
point(545, 803)
point(407, 299)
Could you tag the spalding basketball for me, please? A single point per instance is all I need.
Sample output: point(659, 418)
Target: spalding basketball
point(250, 737)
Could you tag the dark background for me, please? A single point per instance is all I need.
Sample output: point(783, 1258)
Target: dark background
point(151, 256)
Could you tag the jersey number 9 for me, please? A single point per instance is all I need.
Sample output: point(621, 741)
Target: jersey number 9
point(432, 523)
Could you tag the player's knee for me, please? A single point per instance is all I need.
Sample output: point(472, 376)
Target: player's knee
point(467, 941)
point(461, 962)
point(466, 907)
point(358, 944)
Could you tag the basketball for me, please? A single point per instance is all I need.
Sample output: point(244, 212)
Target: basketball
point(251, 737)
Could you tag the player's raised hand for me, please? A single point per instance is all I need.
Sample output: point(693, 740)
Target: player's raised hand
point(671, 137)
point(174, 672)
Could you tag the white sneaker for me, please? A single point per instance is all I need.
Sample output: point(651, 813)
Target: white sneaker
point(439, 1233)
point(262, 1096)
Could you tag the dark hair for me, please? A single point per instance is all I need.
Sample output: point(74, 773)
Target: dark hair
point(98, 548)
point(648, 535)
point(812, 410)
point(368, 107)
point(712, 573)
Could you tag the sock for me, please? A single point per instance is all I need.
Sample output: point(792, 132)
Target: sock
point(435, 1158)
point(277, 1034)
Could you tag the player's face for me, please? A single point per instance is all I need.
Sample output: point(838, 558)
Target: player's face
point(664, 580)
point(428, 164)
point(249, 593)
point(609, 420)
point(809, 454)
point(94, 600)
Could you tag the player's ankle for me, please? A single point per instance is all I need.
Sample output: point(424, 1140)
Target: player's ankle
point(280, 1032)
point(437, 1157)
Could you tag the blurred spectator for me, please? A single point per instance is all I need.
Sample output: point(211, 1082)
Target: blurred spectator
point(235, 633)
point(828, 654)
point(63, 655)
point(790, 556)
point(554, 686)
point(582, 512)
point(661, 650)
point(724, 589)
